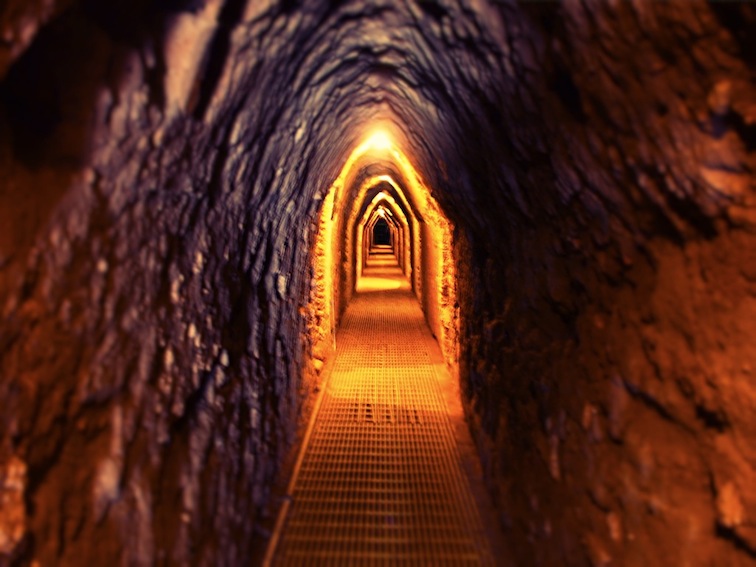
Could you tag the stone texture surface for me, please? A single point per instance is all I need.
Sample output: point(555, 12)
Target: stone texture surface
point(607, 354)
point(163, 166)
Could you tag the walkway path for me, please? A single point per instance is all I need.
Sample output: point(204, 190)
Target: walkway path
point(381, 481)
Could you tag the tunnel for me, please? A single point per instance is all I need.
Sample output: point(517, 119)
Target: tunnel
point(197, 196)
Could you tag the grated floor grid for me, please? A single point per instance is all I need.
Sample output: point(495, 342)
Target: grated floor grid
point(381, 481)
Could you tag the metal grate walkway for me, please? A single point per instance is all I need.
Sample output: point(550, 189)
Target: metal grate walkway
point(381, 481)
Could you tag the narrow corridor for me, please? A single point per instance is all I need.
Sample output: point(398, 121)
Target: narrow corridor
point(189, 193)
point(381, 479)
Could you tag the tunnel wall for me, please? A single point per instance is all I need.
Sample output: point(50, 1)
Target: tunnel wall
point(152, 276)
point(439, 285)
point(605, 276)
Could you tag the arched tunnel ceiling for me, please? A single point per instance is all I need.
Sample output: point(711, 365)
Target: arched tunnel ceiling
point(448, 77)
point(164, 164)
point(388, 189)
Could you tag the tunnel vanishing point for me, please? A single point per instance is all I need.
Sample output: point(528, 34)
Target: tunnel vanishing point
point(189, 194)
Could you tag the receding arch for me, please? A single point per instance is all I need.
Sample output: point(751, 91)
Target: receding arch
point(376, 174)
point(406, 218)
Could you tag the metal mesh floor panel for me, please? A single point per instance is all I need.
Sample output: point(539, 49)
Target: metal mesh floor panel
point(381, 481)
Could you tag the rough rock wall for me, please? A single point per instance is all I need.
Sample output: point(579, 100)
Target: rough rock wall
point(163, 163)
point(153, 265)
point(608, 285)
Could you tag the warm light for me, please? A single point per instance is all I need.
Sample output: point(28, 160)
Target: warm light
point(380, 140)
point(424, 247)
